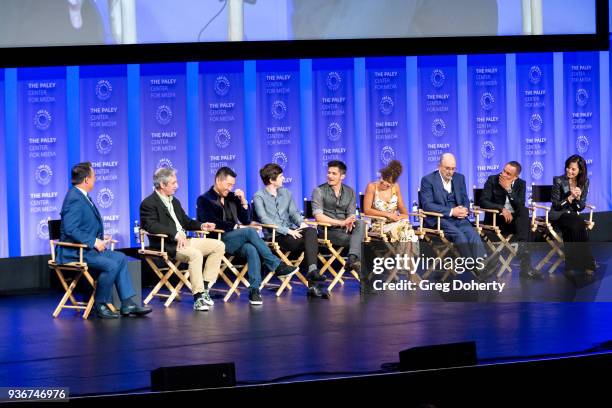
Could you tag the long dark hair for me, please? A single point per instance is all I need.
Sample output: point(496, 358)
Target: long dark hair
point(581, 178)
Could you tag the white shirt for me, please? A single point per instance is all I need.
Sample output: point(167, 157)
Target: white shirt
point(168, 203)
point(507, 204)
point(448, 187)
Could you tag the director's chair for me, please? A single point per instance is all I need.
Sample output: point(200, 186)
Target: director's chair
point(333, 253)
point(491, 234)
point(542, 225)
point(79, 267)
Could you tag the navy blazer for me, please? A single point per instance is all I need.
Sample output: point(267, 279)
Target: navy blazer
point(209, 209)
point(433, 197)
point(81, 224)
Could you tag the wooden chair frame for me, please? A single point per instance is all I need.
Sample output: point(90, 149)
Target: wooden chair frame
point(284, 256)
point(165, 272)
point(82, 270)
point(542, 225)
point(335, 253)
point(375, 231)
point(486, 230)
point(227, 263)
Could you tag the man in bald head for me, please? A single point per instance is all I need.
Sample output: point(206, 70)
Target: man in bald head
point(444, 191)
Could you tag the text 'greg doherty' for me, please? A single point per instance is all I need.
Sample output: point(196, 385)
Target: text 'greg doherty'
point(425, 285)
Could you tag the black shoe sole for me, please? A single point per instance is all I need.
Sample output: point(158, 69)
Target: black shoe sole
point(141, 313)
point(107, 316)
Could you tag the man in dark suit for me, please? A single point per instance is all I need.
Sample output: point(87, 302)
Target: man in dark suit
point(506, 192)
point(228, 209)
point(162, 213)
point(444, 191)
point(82, 224)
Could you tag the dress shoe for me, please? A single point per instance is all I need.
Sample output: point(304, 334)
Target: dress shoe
point(135, 310)
point(319, 292)
point(353, 265)
point(530, 273)
point(103, 312)
point(315, 276)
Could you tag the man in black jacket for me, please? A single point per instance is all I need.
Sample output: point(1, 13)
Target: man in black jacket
point(228, 210)
point(506, 192)
point(162, 213)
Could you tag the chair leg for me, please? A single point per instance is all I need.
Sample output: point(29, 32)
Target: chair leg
point(183, 282)
point(162, 282)
point(67, 294)
point(239, 278)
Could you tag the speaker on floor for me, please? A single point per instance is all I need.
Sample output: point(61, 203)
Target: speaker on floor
point(438, 356)
point(193, 377)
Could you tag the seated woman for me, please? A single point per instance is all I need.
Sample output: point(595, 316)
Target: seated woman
point(383, 198)
point(569, 195)
point(274, 205)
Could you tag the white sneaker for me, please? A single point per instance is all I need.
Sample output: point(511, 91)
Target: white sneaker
point(207, 299)
point(199, 304)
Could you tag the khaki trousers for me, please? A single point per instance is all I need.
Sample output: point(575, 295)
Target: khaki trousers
point(193, 254)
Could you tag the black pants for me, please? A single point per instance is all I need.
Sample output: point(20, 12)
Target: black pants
point(577, 252)
point(520, 227)
point(308, 243)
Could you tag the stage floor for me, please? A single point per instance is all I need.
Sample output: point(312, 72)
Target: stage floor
point(289, 335)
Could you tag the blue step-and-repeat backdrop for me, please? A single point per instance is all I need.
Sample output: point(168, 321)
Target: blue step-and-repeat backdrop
point(129, 120)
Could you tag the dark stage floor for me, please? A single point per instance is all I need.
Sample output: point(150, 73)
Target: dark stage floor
point(288, 335)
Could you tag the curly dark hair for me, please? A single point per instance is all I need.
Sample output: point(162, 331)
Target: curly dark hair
point(392, 172)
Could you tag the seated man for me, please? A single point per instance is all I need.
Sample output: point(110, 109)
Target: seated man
point(444, 191)
point(335, 203)
point(506, 192)
point(227, 210)
point(82, 224)
point(274, 205)
point(162, 213)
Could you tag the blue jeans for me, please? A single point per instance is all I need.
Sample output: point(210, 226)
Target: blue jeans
point(112, 269)
point(246, 243)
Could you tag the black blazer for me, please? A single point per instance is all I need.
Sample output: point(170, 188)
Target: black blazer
point(156, 219)
point(559, 194)
point(494, 196)
point(210, 209)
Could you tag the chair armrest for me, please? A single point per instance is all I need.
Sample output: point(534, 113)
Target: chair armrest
point(144, 233)
point(252, 225)
point(270, 226)
point(375, 217)
point(318, 224)
point(489, 210)
point(542, 207)
point(431, 214)
point(69, 244)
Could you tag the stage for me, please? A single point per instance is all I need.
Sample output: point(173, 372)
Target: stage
point(290, 338)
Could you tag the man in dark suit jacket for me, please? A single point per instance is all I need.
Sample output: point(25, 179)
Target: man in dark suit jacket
point(82, 224)
point(506, 192)
point(162, 213)
point(444, 191)
point(228, 210)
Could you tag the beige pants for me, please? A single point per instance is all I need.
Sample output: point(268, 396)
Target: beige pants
point(193, 254)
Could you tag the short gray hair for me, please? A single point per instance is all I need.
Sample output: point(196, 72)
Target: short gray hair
point(162, 176)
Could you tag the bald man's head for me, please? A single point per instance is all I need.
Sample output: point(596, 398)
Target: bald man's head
point(447, 166)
